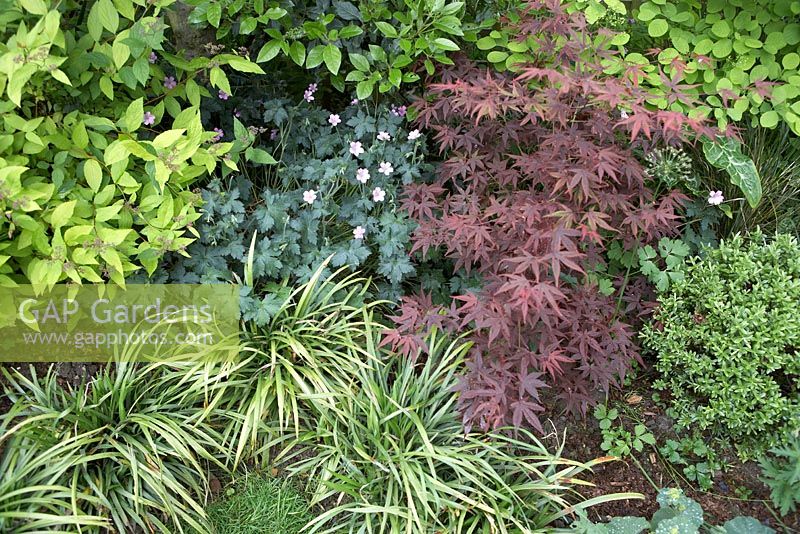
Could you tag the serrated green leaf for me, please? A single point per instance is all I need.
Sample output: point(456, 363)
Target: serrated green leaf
point(364, 89)
point(359, 61)
point(214, 13)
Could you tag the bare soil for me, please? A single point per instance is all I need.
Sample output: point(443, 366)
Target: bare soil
point(737, 490)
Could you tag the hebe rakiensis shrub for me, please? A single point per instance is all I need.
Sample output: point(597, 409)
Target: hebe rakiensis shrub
point(334, 192)
point(727, 339)
point(539, 177)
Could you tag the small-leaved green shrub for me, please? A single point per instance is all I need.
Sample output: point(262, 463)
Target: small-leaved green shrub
point(256, 504)
point(678, 514)
point(725, 341)
point(390, 455)
point(376, 45)
point(780, 470)
point(333, 193)
point(100, 139)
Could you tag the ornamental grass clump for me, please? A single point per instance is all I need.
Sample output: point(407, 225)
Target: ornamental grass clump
point(389, 455)
point(313, 344)
point(129, 451)
point(726, 341)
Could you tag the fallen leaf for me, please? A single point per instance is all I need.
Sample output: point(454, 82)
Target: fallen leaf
point(634, 399)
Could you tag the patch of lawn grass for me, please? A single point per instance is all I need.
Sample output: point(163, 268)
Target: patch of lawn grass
point(257, 504)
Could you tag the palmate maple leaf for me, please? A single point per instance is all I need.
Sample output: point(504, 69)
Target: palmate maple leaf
point(638, 122)
point(407, 345)
point(421, 200)
point(526, 296)
point(536, 182)
point(524, 411)
point(550, 363)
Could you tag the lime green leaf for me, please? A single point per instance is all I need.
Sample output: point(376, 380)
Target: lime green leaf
point(243, 65)
point(134, 115)
point(258, 155)
point(93, 174)
point(219, 79)
point(59, 75)
point(445, 44)
point(359, 61)
point(657, 27)
point(108, 15)
point(721, 28)
point(107, 87)
point(395, 77)
point(214, 14)
point(34, 7)
point(770, 119)
point(297, 51)
point(165, 139)
point(115, 152)
point(486, 43)
point(364, 89)
point(722, 48)
point(79, 135)
point(315, 57)
point(791, 61)
point(496, 56)
point(93, 22)
point(387, 29)
point(62, 214)
point(268, 51)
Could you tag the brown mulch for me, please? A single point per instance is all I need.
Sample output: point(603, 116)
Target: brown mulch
point(721, 503)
